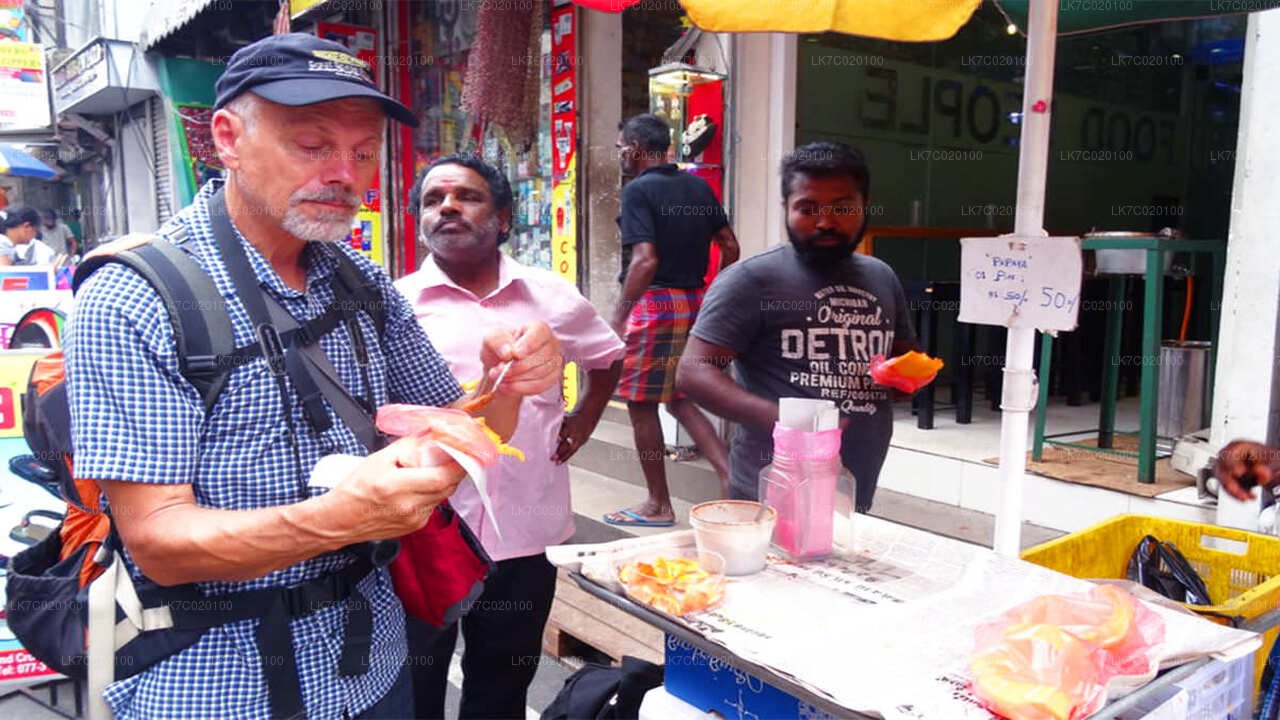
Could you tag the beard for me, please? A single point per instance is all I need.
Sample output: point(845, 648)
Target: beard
point(815, 254)
point(322, 225)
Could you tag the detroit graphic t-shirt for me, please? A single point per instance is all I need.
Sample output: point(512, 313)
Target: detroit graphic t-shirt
point(804, 330)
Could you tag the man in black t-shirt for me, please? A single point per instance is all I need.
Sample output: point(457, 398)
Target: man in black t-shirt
point(669, 220)
point(803, 320)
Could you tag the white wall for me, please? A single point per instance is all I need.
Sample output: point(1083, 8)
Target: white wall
point(764, 98)
point(139, 191)
point(114, 19)
point(1245, 387)
point(599, 79)
point(125, 19)
point(83, 21)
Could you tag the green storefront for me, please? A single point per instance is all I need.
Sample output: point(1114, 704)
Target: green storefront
point(1143, 138)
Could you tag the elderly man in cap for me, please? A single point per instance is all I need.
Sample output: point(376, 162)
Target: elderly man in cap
point(223, 499)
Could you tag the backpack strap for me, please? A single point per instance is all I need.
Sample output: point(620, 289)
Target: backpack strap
point(356, 290)
point(197, 311)
point(365, 294)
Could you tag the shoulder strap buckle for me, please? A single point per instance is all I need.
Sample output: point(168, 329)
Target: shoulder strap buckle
point(272, 348)
point(200, 364)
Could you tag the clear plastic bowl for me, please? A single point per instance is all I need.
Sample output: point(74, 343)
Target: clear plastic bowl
point(729, 528)
point(673, 597)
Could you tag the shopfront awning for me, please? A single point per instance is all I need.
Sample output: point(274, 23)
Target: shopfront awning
point(164, 17)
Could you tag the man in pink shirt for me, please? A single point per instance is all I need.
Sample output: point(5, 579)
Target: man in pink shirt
point(465, 286)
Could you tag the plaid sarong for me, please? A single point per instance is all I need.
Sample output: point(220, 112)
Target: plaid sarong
point(657, 330)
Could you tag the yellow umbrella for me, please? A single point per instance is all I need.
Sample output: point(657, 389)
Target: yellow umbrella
point(909, 20)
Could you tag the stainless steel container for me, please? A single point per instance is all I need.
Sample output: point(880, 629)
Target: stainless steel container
point(1124, 262)
point(1184, 388)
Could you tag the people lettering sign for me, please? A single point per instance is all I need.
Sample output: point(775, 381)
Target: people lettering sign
point(867, 95)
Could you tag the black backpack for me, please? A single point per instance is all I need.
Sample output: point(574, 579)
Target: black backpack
point(601, 692)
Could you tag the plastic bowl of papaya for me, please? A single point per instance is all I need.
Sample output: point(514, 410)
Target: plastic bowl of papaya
point(673, 581)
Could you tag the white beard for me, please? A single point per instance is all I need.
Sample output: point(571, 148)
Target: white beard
point(330, 227)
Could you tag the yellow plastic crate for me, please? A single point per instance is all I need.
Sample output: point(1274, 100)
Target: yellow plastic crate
point(1244, 585)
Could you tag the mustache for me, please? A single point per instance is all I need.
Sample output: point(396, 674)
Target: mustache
point(441, 223)
point(326, 195)
point(828, 234)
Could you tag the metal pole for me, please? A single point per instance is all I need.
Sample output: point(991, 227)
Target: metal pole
point(1111, 372)
point(1153, 301)
point(1033, 161)
point(1046, 365)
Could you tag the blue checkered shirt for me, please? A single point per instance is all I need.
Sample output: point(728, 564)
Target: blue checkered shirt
point(135, 418)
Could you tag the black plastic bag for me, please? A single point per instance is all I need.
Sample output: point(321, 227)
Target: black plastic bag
point(1162, 567)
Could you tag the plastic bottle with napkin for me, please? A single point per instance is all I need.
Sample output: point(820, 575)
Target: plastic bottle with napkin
point(800, 483)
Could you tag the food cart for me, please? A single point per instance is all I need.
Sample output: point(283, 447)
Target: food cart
point(882, 628)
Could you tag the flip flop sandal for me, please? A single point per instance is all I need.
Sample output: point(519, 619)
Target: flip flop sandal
point(634, 520)
point(32, 470)
point(30, 533)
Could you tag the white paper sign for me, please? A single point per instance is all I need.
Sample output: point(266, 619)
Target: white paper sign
point(1020, 282)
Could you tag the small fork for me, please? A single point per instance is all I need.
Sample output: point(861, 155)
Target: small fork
point(485, 391)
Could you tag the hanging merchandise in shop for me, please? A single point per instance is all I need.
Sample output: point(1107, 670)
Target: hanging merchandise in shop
point(187, 86)
point(499, 80)
point(460, 90)
point(502, 79)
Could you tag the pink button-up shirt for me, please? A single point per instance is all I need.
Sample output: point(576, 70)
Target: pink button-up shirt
point(530, 498)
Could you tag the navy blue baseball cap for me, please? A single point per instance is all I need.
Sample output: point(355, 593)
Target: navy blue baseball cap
point(300, 69)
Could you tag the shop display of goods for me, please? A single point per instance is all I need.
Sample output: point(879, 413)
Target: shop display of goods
point(697, 136)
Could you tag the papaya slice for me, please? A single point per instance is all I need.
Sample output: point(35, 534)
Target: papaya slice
point(674, 585)
point(447, 426)
point(915, 364)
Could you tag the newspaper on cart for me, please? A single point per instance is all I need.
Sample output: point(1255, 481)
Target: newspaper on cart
point(887, 624)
